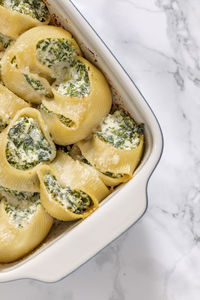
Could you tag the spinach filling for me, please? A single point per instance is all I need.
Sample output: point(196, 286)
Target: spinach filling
point(20, 206)
point(76, 201)
point(27, 146)
point(37, 85)
point(21, 211)
point(33, 8)
point(55, 52)
point(76, 82)
point(120, 131)
point(66, 121)
point(23, 196)
point(59, 55)
point(5, 41)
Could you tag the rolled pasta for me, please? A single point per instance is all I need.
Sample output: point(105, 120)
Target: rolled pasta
point(82, 99)
point(115, 149)
point(69, 189)
point(25, 144)
point(34, 61)
point(19, 16)
point(9, 105)
point(23, 224)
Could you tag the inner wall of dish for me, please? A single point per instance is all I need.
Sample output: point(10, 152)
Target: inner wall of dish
point(62, 228)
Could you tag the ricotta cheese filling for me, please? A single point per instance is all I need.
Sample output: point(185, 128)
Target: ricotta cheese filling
point(27, 146)
point(5, 41)
point(37, 85)
point(120, 131)
point(76, 81)
point(56, 54)
point(33, 8)
point(13, 194)
point(66, 121)
point(22, 209)
point(76, 201)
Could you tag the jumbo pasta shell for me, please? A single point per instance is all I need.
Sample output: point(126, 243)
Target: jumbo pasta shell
point(11, 177)
point(15, 242)
point(23, 73)
point(85, 112)
point(70, 173)
point(106, 158)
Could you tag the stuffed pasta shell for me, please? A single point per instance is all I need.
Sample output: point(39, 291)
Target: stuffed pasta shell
point(115, 149)
point(9, 105)
point(18, 16)
point(69, 190)
point(25, 144)
point(23, 224)
point(27, 85)
point(37, 58)
point(81, 99)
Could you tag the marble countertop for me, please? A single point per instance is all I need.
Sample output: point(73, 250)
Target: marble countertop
point(158, 43)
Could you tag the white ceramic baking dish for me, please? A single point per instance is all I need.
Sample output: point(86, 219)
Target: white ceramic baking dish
point(69, 245)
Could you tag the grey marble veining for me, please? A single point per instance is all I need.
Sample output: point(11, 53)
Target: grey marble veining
point(158, 43)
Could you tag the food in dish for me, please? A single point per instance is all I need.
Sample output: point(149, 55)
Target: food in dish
point(63, 146)
point(115, 149)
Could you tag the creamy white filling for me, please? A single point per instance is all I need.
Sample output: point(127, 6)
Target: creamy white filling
point(27, 145)
point(20, 206)
point(75, 201)
point(120, 130)
point(76, 81)
point(57, 54)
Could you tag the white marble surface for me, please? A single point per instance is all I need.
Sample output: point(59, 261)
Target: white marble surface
point(158, 43)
